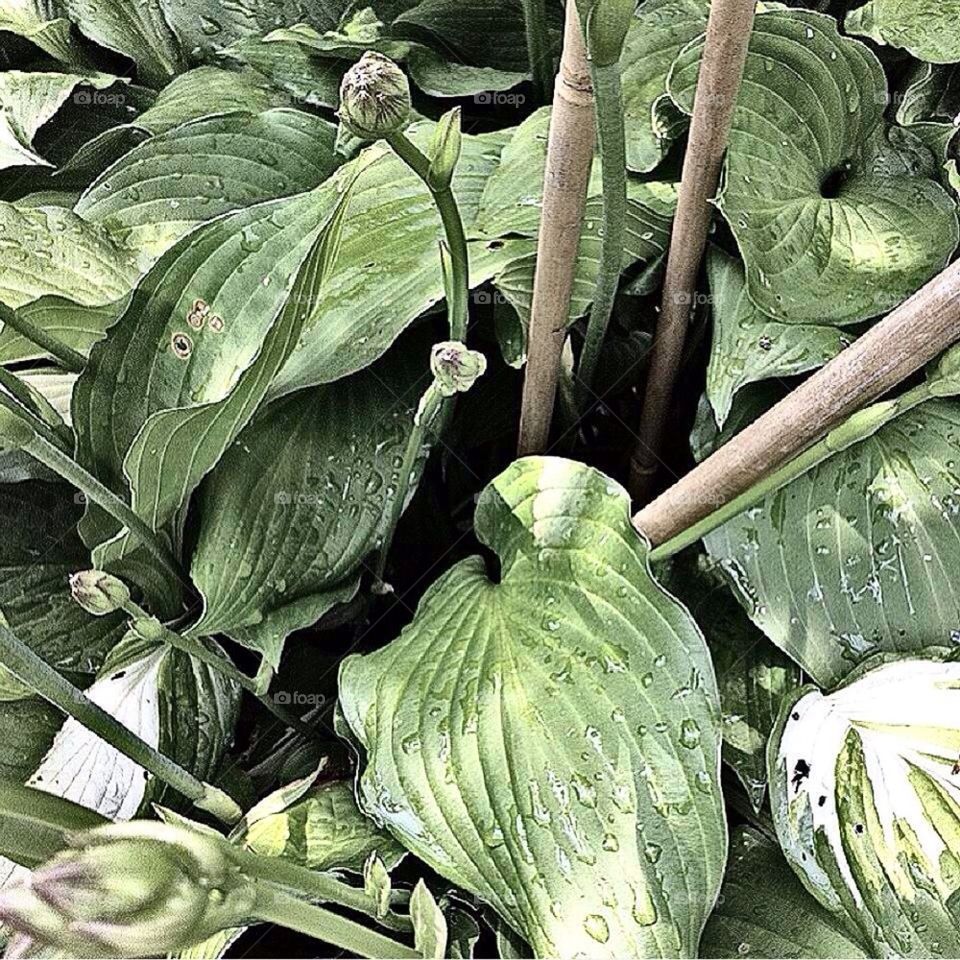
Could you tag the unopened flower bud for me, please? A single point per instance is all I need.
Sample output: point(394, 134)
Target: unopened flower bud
point(606, 23)
point(134, 889)
point(98, 592)
point(374, 97)
point(455, 368)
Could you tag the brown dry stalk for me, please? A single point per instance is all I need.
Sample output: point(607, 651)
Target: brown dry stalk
point(569, 159)
point(721, 70)
point(916, 332)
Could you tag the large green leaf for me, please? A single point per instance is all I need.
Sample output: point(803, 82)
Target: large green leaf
point(140, 31)
point(867, 806)
point(660, 30)
point(299, 500)
point(207, 365)
point(838, 216)
point(389, 271)
point(41, 22)
point(320, 827)
point(856, 556)
point(764, 911)
point(749, 346)
point(929, 29)
point(28, 101)
point(49, 250)
point(163, 188)
point(550, 741)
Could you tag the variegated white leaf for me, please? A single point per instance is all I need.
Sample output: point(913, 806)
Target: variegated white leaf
point(866, 799)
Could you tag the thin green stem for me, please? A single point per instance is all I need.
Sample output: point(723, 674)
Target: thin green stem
point(611, 137)
point(539, 49)
point(60, 463)
point(459, 294)
point(861, 425)
point(275, 906)
point(317, 886)
point(17, 657)
point(67, 357)
point(431, 407)
point(222, 664)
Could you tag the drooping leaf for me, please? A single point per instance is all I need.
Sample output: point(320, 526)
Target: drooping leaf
point(867, 805)
point(839, 217)
point(660, 30)
point(388, 272)
point(749, 346)
point(855, 557)
point(29, 100)
point(300, 499)
point(550, 742)
point(49, 250)
point(927, 28)
point(212, 323)
point(139, 31)
point(162, 189)
point(319, 827)
point(764, 910)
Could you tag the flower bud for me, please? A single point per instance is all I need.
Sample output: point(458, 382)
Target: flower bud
point(455, 368)
point(374, 97)
point(605, 26)
point(98, 592)
point(134, 889)
point(445, 151)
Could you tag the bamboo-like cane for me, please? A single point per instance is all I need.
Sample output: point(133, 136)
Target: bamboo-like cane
point(721, 71)
point(569, 159)
point(896, 347)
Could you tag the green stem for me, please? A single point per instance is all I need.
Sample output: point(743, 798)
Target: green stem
point(17, 657)
point(275, 906)
point(60, 463)
point(459, 296)
point(431, 407)
point(860, 426)
point(317, 886)
point(539, 51)
point(66, 356)
point(222, 664)
point(34, 401)
point(31, 419)
point(611, 137)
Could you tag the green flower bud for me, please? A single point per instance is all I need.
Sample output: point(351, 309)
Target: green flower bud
point(98, 592)
point(445, 151)
point(455, 368)
point(605, 25)
point(136, 889)
point(374, 97)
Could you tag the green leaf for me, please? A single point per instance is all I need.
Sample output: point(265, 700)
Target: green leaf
point(49, 250)
point(388, 272)
point(837, 215)
point(27, 729)
point(550, 742)
point(38, 552)
point(213, 322)
point(30, 100)
point(71, 323)
point(927, 28)
point(749, 346)
point(752, 674)
point(35, 825)
point(661, 29)
point(429, 923)
point(764, 910)
point(40, 22)
point(139, 31)
point(866, 803)
point(162, 189)
point(855, 557)
point(299, 500)
point(320, 827)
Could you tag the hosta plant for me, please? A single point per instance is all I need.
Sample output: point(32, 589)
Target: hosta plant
point(328, 622)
